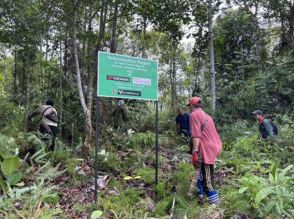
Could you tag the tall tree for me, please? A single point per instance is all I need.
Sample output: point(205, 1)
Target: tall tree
point(283, 12)
point(200, 22)
point(170, 22)
point(211, 56)
point(210, 7)
point(252, 7)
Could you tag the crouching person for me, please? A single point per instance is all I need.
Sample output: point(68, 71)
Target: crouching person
point(48, 122)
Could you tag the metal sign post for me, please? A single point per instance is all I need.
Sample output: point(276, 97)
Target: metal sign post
point(156, 144)
point(126, 77)
point(96, 147)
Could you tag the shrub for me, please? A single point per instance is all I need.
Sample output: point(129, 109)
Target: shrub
point(141, 140)
point(270, 195)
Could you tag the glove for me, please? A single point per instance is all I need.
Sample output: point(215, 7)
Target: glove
point(195, 159)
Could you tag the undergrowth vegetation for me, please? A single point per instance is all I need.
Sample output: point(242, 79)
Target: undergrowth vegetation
point(254, 177)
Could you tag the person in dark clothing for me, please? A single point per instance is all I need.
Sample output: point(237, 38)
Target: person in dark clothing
point(182, 121)
point(48, 122)
point(267, 128)
point(120, 116)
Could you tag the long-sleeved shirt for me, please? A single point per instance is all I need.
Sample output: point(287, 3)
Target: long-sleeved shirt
point(210, 144)
point(266, 129)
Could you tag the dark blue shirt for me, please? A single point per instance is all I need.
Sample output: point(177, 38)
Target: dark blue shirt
point(183, 120)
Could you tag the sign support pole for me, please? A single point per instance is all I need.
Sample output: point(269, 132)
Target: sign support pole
point(96, 149)
point(156, 144)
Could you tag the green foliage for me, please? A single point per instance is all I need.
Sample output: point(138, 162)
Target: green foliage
point(71, 165)
point(163, 206)
point(272, 194)
point(141, 118)
point(8, 146)
point(109, 162)
point(181, 178)
point(161, 190)
point(32, 141)
point(10, 164)
point(254, 65)
point(230, 132)
point(115, 183)
point(52, 198)
point(60, 155)
point(139, 140)
point(33, 198)
point(170, 139)
point(167, 120)
point(10, 167)
point(246, 145)
point(123, 206)
point(96, 214)
point(147, 174)
point(11, 117)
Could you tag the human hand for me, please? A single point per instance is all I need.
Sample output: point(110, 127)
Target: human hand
point(195, 159)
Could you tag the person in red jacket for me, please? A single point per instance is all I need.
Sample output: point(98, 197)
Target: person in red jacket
point(207, 146)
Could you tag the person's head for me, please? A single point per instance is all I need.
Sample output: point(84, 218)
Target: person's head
point(181, 111)
point(121, 103)
point(50, 102)
point(258, 115)
point(194, 102)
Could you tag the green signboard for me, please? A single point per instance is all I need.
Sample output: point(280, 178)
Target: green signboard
point(128, 77)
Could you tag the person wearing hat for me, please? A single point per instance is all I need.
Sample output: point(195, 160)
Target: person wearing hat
point(120, 116)
point(207, 146)
point(49, 120)
point(267, 128)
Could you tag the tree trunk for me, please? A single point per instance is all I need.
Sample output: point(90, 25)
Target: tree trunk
point(256, 25)
point(87, 114)
point(144, 55)
point(113, 43)
point(291, 23)
point(91, 72)
point(172, 73)
point(60, 89)
point(99, 45)
point(172, 99)
point(196, 89)
point(27, 96)
point(15, 76)
point(211, 58)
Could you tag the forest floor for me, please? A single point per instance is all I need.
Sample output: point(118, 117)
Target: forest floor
point(62, 184)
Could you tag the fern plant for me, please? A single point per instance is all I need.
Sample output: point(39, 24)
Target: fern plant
point(33, 201)
point(273, 194)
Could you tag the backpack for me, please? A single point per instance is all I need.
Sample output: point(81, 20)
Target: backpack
point(275, 128)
